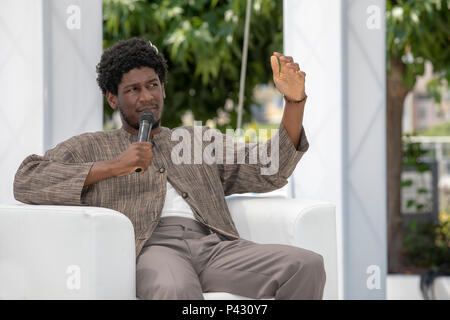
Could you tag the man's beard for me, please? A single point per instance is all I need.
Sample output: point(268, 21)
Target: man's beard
point(136, 126)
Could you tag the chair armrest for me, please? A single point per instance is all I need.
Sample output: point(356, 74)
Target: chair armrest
point(66, 252)
point(304, 223)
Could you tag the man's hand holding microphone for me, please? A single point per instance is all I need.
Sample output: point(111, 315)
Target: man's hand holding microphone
point(137, 158)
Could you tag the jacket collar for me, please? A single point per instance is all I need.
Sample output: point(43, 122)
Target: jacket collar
point(162, 135)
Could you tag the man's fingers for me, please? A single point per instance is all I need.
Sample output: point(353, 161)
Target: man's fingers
point(144, 164)
point(147, 144)
point(275, 65)
point(294, 66)
point(144, 146)
point(285, 61)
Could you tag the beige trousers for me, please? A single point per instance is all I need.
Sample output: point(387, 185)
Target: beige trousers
point(182, 259)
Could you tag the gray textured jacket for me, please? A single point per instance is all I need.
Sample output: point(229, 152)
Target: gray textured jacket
point(57, 178)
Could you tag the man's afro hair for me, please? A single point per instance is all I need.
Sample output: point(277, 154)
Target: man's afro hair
point(124, 56)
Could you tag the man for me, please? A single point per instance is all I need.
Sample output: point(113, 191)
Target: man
point(186, 241)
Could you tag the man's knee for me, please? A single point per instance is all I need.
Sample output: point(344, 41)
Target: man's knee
point(305, 275)
point(313, 265)
point(314, 259)
point(309, 262)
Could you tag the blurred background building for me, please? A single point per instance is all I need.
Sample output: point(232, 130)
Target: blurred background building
point(428, 122)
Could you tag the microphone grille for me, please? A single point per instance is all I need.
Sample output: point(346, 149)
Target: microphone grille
point(147, 115)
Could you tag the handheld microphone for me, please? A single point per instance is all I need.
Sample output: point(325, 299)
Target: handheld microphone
point(146, 120)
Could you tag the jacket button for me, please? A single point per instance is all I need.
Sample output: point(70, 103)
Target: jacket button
point(184, 195)
point(161, 170)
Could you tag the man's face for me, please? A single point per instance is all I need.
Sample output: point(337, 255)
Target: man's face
point(139, 90)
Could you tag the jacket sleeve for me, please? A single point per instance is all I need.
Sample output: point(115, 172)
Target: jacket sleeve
point(266, 173)
point(57, 178)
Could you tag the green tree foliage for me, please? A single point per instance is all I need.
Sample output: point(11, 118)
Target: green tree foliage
point(202, 41)
point(418, 31)
point(428, 244)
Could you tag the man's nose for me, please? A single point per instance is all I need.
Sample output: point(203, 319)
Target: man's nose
point(145, 95)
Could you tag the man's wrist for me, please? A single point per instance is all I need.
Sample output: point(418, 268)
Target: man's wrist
point(288, 100)
point(112, 168)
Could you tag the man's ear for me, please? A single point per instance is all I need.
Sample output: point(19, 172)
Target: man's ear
point(112, 100)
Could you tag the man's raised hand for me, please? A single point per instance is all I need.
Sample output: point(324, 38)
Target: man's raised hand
point(288, 77)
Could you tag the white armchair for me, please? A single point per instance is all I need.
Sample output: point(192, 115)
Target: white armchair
point(69, 252)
